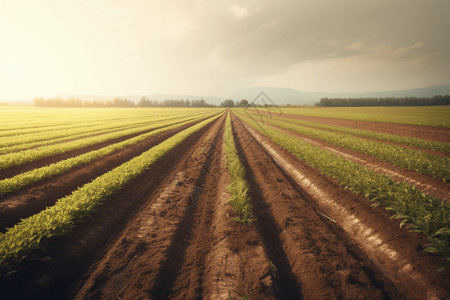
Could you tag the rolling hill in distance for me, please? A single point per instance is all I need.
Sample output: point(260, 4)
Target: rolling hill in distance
point(280, 96)
point(284, 96)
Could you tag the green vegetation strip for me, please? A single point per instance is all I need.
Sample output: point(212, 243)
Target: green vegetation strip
point(238, 186)
point(44, 140)
point(411, 141)
point(40, 127)
point(415, 160)
point(22, 157)
point(31, 233)
point(16, 143)
point(420, 212)
point(64, 119)
point(423, 115)
point(22, 180)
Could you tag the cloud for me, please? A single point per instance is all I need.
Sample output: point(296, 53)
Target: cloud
point(214, 46)
point(239, 11)
point(357, 46)
point(404, 50)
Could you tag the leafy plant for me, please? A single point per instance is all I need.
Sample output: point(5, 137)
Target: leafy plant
point(418, 211)
point(21, 180)
point(238, 186)
point(31, 234)
point(403, 157)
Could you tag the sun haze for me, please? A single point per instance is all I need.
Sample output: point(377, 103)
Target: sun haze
point(216, 47)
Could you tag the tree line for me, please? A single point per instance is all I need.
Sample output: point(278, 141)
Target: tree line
point(119, 102)
point(230, 103)
point(144, 102)
point(387, 101)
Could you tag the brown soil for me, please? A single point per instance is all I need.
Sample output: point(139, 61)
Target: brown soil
point(44, 193)
point(433, 152)
point(323, 259)
point(170, 234)
point(71, 255)
point(438, 134)
point(433, 186)
point(188, 245)
point(396, 252)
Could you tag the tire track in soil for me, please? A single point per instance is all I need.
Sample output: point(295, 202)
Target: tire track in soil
point(45, 161)
point(71, 256)
point(395, 251)
point(433, 186)
point(324, 261)
point(37, 197)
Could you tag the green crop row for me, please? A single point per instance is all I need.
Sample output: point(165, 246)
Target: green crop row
point(419, 115)
point(50, 119)
point(58, 137)
point(420, 143)
point(415, 160)
point(238, 186)
point(15, 129)
point(22, 157)
point(420, 212)
point(16, 143)
point(24, 179)
point(28, 235)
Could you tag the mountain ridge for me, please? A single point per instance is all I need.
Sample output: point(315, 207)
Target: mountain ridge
point(277, 95)
point(296, 97)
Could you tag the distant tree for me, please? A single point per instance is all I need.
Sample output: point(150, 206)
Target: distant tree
point(242, 103)
point(119, 102)
point(227, 103)
point(387, 101)
point(144, 102)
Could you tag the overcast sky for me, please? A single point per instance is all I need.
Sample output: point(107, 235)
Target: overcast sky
point(214, 47)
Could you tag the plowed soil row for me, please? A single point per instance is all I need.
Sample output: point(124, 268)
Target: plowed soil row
point(86, 135)
point(433, 186)
point(15, 170)
point(422, 132)
point(183, 244)
point(70, 256)
point(170, 234)
point(433, 152)
point(44, 193)
point(364, 247)
point(325, 263)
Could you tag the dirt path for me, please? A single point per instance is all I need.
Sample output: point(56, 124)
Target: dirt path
point(422, 132)
point(433, 186)
point(393, 252)
point(35, 198)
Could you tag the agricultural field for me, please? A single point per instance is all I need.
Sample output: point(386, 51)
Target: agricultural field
point(243, 203)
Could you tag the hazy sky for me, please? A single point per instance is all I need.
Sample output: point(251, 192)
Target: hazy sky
point(213, 47)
